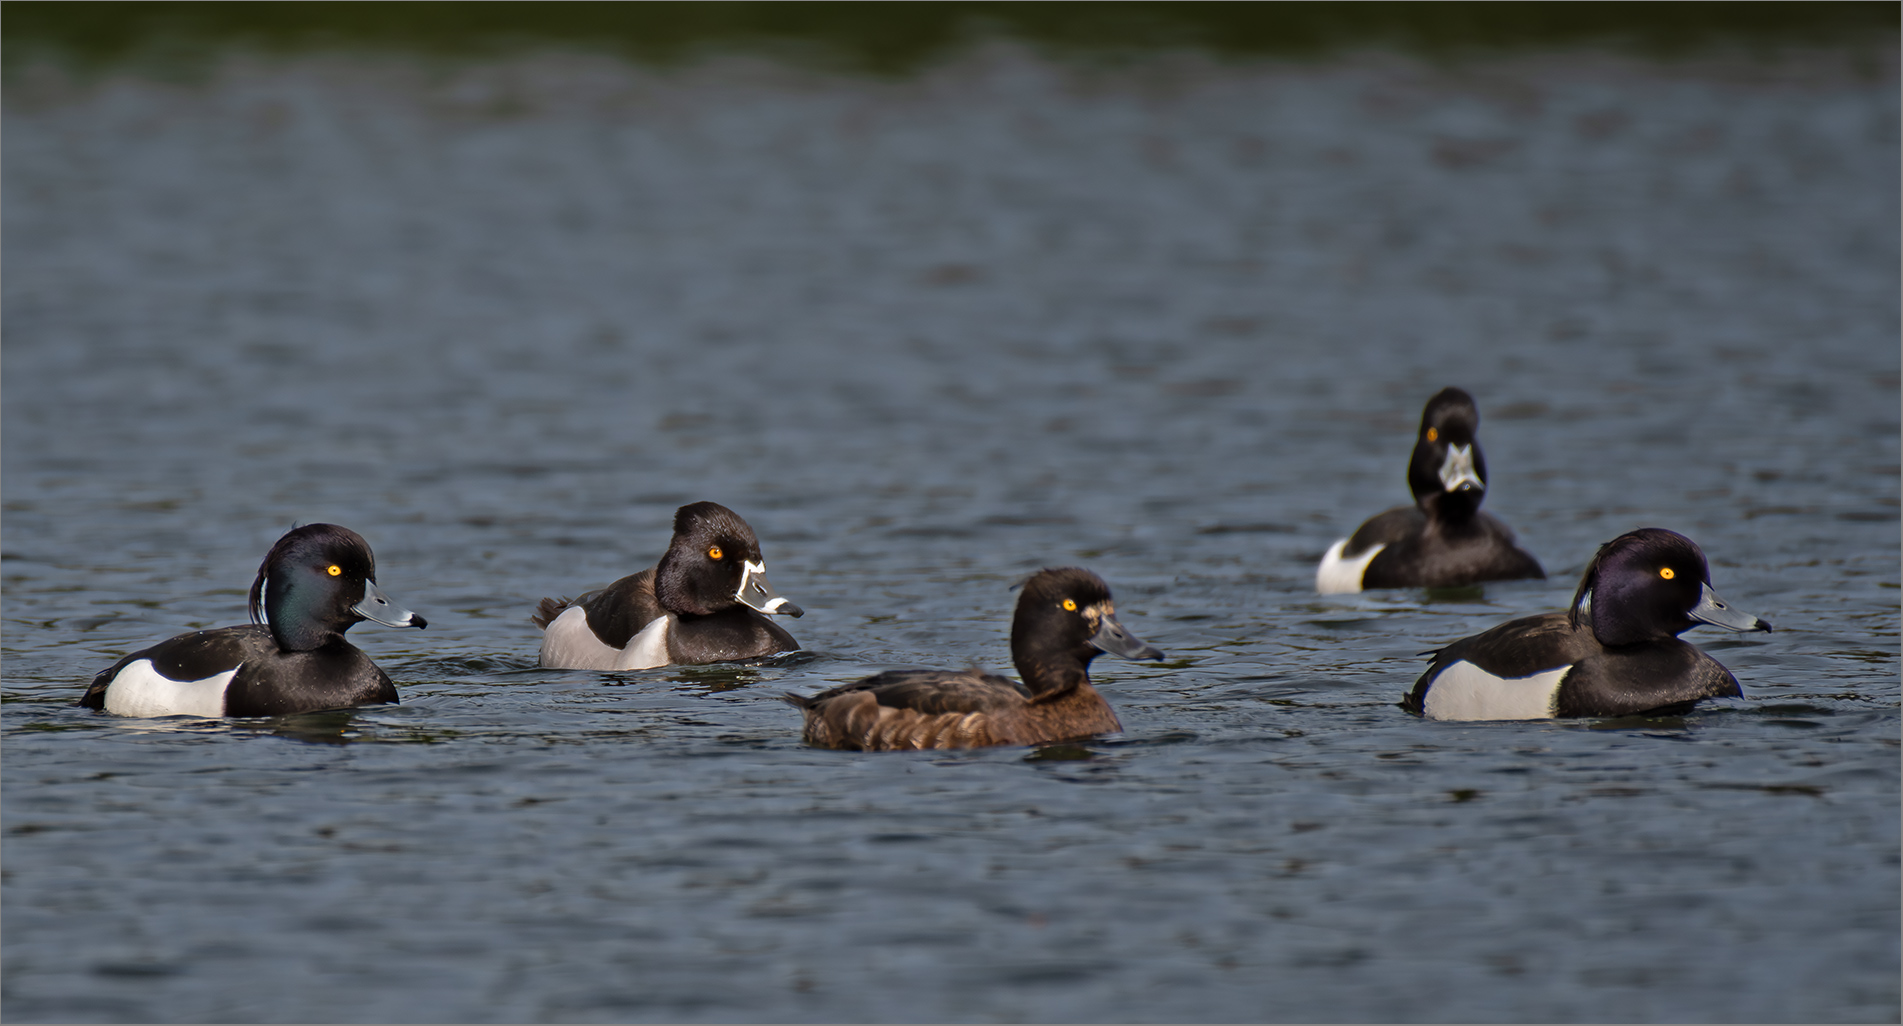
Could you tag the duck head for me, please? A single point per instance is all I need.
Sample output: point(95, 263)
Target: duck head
point(1651, 584)
point(1448, 472)
point(714, 563)
point(315, 583)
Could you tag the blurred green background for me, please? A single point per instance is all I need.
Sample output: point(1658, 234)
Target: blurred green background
point(894, 37)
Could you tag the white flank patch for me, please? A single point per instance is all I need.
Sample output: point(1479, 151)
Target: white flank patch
point(1464, 691)
point(140, 690)
point(569, 643)
point(648, 648)
point(1338, 576)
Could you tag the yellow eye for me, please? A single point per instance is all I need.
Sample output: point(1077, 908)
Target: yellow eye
point(1667, 572)
point(1070, 605)
point(334, 570)
point(1433, 434)
point(714, 553)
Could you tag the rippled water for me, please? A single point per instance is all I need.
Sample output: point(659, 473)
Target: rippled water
point(1174, 322)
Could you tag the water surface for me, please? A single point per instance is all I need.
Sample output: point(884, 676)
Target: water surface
point(1172, 322)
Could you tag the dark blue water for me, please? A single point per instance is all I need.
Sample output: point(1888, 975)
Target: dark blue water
point(1174, 322)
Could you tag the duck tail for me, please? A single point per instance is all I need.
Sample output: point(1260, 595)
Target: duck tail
point(546, 611)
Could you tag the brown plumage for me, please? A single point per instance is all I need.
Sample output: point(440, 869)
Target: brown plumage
point(1064, 618)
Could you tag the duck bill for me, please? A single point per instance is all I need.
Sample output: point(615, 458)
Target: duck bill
point(756, 592)
point(378, 607)
point(1457, 472)
point(1114, 639)
point(1713, 610)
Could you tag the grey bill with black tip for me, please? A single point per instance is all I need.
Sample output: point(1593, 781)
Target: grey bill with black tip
point(377, 606)
point(1113, 638)
point(1712, 610)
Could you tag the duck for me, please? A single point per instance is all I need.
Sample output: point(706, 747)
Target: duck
point(1443, 540)
point(314, 584)
point(707, 601)
point(1615, 652)
point(1064, 618)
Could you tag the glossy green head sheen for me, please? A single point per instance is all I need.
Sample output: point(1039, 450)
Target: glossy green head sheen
point(315, 583)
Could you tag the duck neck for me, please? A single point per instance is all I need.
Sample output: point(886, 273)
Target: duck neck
point(1052, 673)
point(1454, 508)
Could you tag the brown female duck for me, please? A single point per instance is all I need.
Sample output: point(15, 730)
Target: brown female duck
point(1064, 618)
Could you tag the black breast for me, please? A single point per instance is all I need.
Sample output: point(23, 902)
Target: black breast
point(1444, 554)
point(335, 676)
point(1644, 678)
point(736, 633)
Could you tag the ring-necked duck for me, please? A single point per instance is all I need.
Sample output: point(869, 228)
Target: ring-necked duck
point(701, 604)
point(1064, 618)
point(1615, 652)
point(314, 584)
point(1443, 539)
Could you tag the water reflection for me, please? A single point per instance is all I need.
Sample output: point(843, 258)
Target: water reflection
point(333, 727)
point(1061, 753)
point(719, 677)
point(346, 727)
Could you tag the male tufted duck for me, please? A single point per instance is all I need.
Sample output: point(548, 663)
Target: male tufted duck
point(1443, 539)
point(314, 584)
point(1615, 652)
